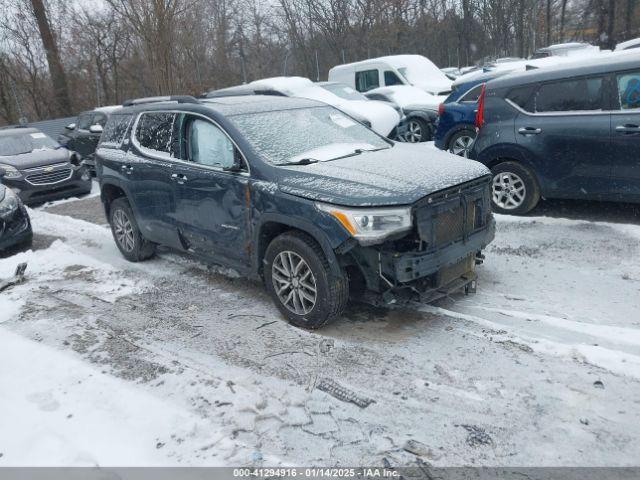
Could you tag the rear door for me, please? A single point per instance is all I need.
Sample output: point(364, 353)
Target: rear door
point(211, 202)
point(625, 131)
point(567, 136)
point(148, 170)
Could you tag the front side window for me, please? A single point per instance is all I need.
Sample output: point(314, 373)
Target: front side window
point(390, 78)
point(629, 90)
point(579, 94)
point(318, 134)
point(99, 119)
point(367, 80)
point(84, 121)
point(208, 145)
point(154, 132)
point(115, 130)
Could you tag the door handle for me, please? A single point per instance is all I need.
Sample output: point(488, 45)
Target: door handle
point(529, 131)
point(128, 169)
point(628, 129)
point(179, 178)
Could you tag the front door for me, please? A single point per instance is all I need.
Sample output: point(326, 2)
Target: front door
point(211, 200)
point(625, 133)
point(568, 137)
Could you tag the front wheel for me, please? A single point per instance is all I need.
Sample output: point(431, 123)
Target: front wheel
point(514, 189)
point(133, 246)
point(300, 282)
point(417, 131)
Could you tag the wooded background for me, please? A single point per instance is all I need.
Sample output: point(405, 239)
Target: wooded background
point(59, 57)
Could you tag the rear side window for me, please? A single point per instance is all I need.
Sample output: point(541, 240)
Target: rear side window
point(367, 80)
point(472, 95)
point(579, 94)
point(629, 90)
point(522, 97)
point(155, 132)
point(115, 130)
point(390, 78)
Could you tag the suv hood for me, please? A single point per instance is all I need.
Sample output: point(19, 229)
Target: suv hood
point(37, 158)
point(396, 176)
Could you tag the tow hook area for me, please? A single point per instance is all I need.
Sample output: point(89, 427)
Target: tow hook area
point(471, 286)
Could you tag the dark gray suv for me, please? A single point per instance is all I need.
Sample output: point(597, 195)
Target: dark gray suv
point(295, 192)
point(570, 132)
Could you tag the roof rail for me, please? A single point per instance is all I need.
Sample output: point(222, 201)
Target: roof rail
point(167, 98)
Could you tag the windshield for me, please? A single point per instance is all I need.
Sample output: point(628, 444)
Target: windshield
point(344, 91)
point(320, 133)
point(25, 143)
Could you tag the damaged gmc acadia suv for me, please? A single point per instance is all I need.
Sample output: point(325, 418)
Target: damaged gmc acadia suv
point(294, 192)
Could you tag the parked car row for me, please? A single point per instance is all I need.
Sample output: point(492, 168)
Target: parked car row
point(567, 132)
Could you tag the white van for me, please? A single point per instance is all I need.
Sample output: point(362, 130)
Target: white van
point(413, 70)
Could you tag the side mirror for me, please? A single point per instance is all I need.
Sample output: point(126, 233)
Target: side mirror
point(2, 173)
point(71, 126)
point(75, 159)
point(95, 128)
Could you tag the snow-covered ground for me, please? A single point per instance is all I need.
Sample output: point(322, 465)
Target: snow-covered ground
point(104, 362)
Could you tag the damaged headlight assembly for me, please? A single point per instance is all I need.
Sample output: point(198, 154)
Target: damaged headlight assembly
point(8, 202)
point(370, 225)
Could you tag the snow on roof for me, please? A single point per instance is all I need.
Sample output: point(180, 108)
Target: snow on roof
point(633, 43)
point(405, 95)
point(107, 108)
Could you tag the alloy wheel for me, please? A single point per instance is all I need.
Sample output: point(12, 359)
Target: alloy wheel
point(414, 132)
point(294, 282)
point(509, 191)
point(123, 230)
point(462, 146)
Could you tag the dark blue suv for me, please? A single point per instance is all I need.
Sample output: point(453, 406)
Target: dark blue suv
point(457, 115)
point(571, 132)
point(297, 193)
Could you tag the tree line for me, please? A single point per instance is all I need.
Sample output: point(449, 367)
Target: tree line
point(58, 57)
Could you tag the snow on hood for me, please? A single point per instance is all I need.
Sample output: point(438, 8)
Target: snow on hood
point(395, 176)
point(420, 72)
point(383, 118)
point(37, 158)
point(406, 95)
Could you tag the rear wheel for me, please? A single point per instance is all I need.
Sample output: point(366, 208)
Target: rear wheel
point(461, 143)
point(300, 282)
point(133, 246)
point(514, 189)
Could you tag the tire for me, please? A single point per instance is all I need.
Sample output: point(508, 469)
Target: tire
point(417, 131)
point(523, 192)
point(304, 308)
point(461, 142)
point(133, 246)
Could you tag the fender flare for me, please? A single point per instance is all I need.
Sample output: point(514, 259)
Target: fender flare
point(294, 223)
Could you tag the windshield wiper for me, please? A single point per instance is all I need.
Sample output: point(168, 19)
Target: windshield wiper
point(302, 161)
point(358, 151)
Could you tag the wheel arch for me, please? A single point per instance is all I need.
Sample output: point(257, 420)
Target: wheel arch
point(275, 225)
point(108, 193)
point(458, 128)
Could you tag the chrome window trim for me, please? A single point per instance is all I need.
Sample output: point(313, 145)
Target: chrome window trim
point(461, 99)
point(561, 114)
point(155, 154)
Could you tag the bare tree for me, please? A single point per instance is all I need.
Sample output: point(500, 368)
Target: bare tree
point(58, 76)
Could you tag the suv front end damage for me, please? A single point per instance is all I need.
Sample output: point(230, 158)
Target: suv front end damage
point(438, 254)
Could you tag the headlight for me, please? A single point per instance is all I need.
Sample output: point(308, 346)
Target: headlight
point(370, 225)
point(10, 172)
point(8, 203)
